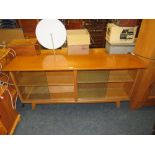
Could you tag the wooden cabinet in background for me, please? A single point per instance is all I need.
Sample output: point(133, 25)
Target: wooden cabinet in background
point(28, 26)
point(72, 23)
point(96, 28)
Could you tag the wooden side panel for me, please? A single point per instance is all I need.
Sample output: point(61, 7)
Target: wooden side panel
point(8, 114)
point(145, 44)
point(142, 85)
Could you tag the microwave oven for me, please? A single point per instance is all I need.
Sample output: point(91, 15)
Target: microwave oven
point(117, 34)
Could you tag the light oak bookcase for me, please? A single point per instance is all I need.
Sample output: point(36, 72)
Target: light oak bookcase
point(97, 77)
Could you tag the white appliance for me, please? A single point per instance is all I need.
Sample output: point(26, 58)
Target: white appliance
point(78, 42)
point(116, 34)
point(119, 48)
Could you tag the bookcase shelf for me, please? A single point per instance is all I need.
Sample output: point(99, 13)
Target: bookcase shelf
point(102, 94)
point(60, 78)
point(104, 76)
point(30, 78)
point(68, 87)
point(42, 93)
point(91, 91)
point(44, 78)
point(120, 76)
point(92, 76)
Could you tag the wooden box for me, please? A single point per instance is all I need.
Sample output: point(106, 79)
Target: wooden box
point(7, 35)
point(78, 42)
point(24, 47)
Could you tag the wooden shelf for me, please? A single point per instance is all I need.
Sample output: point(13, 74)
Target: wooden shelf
point(30, 78)
point(92, 76)
point(102, 94)
point(43, 93)
point(40, 92)
point(60, 78)
point(104, 76)
point(44, 78)
point(116, 94)
point(120, 76)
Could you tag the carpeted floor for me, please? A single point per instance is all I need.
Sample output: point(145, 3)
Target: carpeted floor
point(85, 119)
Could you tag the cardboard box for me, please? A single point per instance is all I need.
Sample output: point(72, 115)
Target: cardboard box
point(78, 42)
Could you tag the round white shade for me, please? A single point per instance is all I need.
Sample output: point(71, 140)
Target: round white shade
point(51, 33)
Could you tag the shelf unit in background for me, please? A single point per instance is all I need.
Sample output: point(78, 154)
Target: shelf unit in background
point(97, 30)
point(28, 26)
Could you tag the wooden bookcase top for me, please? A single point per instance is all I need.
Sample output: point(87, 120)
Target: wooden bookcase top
point(96, 60)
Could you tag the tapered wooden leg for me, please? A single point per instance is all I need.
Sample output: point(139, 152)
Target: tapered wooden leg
point(118, 103)
point(33, 106)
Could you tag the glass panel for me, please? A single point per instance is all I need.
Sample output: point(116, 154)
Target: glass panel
point(91, 91)
point(30, 78)
point(60, 78)
point(116, 91)
point(36, 93)
point(121, 76)
point(92, 76)
point(61, 92)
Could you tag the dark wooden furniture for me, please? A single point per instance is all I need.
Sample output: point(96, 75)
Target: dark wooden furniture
point(28, 26)
point(97, 29)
